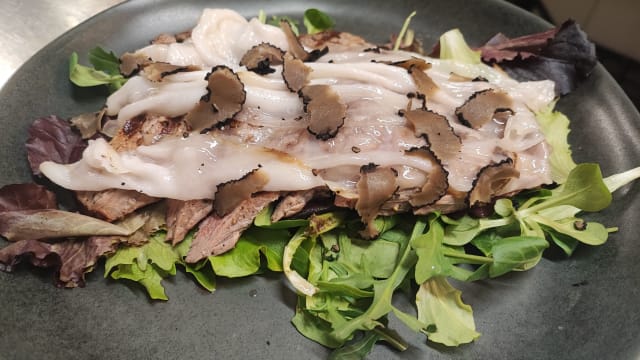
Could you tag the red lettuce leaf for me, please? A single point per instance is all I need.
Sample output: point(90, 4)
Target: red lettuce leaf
point(52, 139)
point(17, 197)
point(52, 223)
point(72, 259)
point(563, 54)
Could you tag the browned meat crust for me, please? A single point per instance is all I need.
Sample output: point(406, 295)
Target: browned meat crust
point(147, 129)
point(113, 204)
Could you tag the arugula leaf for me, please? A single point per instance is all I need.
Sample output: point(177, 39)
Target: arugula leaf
point(441, 304)
point(313, 327)
point(383, 291)
point(85, 76)
point(317, 21)
point(428, 247)
point(357, 350)
point(104, 61)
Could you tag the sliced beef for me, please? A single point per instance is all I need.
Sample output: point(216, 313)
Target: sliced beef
point(217, 235)
point(182, 216)
point(113, 204)
point(294, 202)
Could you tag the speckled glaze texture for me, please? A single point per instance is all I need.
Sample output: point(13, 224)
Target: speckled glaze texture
point(584, 307)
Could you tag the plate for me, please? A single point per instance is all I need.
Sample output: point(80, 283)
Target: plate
point(586, 306)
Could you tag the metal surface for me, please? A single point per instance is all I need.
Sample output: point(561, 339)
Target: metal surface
point(28, 25)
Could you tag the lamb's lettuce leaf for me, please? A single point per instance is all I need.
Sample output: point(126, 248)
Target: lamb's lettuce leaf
point(105, 70)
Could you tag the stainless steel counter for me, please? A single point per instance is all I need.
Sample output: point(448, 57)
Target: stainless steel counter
point(28, 25)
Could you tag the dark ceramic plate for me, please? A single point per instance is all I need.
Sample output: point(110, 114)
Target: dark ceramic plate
point(585, 307)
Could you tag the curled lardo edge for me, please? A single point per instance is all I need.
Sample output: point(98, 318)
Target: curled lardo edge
point(481, 107)
point(224, 99)
point(260, 58)
point(230, 194)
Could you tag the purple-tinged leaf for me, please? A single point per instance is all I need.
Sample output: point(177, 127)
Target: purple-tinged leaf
point(52, 139)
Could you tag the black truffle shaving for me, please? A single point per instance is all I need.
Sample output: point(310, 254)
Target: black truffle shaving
point(296, 48)
point(490, 101)
point(326, 111)
point(224, 99)
point(260, 58)
point(231, 193)
point(489, 181)
point(436, 131)
point(437, 182)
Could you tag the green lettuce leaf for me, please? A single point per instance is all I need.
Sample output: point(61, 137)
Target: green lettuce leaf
point(150, 277)
point(555, 127)
point(102, 74)
point(317, 21)
point(246, 257)
point(150, 263)
point(441, 304)
point(102, 60)
point(454, 47)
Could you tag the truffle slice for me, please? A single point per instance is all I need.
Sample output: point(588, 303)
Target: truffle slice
point(89, 123)
point(296, 48)
point(326, 111)
point(437, 132)
point(131, 63)
point(436, 185)
point(230, 194)
point(375, 187)
point(156, 71)
point(295, 73)
point(490, 180)
point(481, 107)
point(260, 58)
point(164, 39)
point(224, 99)
point(416, 68)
